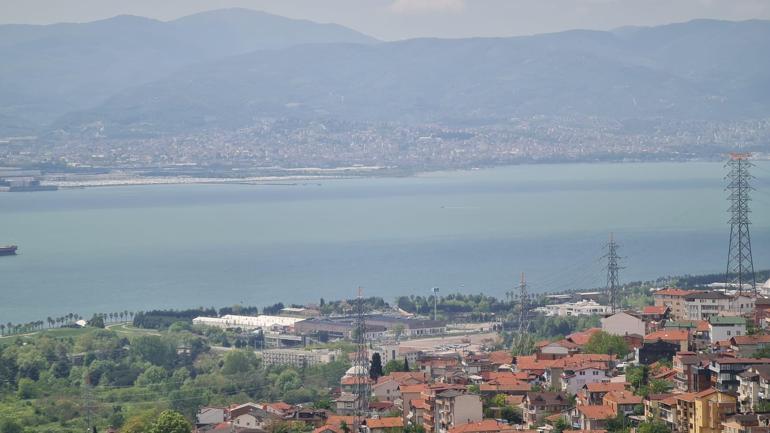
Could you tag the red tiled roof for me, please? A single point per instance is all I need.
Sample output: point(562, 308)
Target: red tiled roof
point(674, 292)
point(582, 337)
point(596, 411)
point(487, 425)
point(581, 359)
point(623, 397)
point(668, 335)
point(501, 357)
point(413, 388)
point(607, 386)
point(655, 309)
point(420, 404)
point(505, 387)
point(328, 428)
point(280, 406)
point(751, 339)
point(702, 326)
point(387, 422)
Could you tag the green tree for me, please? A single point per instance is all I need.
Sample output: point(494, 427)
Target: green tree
point(660, 386)
point(637, 376)
point(560, 425)
point(97, 321)
point(10, 426)
point(375, 371)
point(604, 343)
point(655, 426)
point(393, 365)
point(154, 349)
point(239, 361)
point(170, 422)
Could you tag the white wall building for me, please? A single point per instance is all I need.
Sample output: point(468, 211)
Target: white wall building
point(299, 358)
point(723, 328)
point(580, 308)
point(247, 322)
point(573, 379)
point(623, 324)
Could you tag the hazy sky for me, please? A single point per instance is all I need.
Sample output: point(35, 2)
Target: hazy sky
point(398, 19)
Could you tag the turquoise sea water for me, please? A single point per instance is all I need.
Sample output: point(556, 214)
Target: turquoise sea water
point(141, 247)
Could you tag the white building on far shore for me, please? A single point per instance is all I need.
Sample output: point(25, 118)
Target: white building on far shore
point(580, 308)
point(247, 322)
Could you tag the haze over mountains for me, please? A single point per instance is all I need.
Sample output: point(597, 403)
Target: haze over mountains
point(225, 69)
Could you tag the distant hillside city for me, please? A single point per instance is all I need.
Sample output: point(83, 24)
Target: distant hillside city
point(268, 94)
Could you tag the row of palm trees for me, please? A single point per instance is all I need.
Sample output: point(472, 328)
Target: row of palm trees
point(57, 322)
point(20, 328)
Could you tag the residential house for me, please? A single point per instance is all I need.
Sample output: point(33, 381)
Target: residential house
point(703, 305)
point(674, 300)
point(692, 373)
point(623, 323)
point(210, 416)
point(555, 349)
point(455, 407)
point(538, 405)
point(487, 426)
point(575, 378)
point(622, 402)
point(654, 351)
point(593, 393)
point(661, 407)
point(655, 313)
point(726, 327)
point(385, 425)
point(593, 417)
point(725, 371)
point(677, 336)
point(753, 387)
point(250, 416)
point(711, 409)
point(386, 389)
point(746, 345)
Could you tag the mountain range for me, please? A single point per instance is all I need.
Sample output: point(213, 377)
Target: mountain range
point(225, 69)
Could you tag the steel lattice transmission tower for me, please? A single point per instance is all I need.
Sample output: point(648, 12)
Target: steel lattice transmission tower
point(613, 268)
point(740, 264)
point(523, 328)
point(361, 366)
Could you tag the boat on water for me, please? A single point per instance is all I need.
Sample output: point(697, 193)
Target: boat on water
point(8, 250)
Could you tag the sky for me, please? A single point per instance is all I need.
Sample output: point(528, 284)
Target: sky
point(401, 19)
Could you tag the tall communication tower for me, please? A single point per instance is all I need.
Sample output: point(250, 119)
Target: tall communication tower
point(360, 366)
point(523, 298)
point(613, 267)
point(740, 264)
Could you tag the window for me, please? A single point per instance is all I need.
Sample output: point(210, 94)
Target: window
point(728, 332)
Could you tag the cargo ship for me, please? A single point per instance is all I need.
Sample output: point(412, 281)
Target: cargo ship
point(8, 250)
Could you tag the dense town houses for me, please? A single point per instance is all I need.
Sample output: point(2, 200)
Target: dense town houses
point(697, 362)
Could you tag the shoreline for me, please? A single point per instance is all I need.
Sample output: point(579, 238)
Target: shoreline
point(121, 178)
